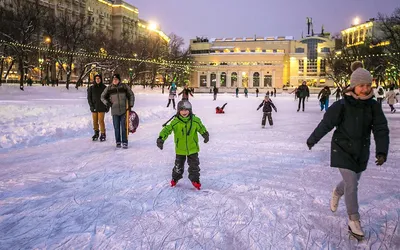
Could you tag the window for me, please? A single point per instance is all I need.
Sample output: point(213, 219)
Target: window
point(268, 81)
point(299, 50)
point(256, 79)
point(323, 67)
point(213, 79)
point(326, 50)
point(223, 79)
point(234, 79)
point(301, 67)
point(203, 81)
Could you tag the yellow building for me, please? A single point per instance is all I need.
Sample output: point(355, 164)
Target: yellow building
point(115, 17)
point(259, 62)
point(359, 34)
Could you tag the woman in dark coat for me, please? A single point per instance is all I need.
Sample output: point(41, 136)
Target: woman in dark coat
point(354, 117)
point(97, 107)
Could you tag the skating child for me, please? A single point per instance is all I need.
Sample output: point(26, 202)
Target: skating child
point(267, 109)
point(220, 110)
point(354, 117)
point(185, 126)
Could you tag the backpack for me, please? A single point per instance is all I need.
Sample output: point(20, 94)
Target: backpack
point(380, 91)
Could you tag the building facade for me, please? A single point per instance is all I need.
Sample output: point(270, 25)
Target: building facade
point(260, 62)
point(115, 17)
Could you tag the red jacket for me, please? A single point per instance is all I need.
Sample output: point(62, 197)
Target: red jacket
point(218, 110)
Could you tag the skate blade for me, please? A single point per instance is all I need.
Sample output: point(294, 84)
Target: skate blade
point(356, 236)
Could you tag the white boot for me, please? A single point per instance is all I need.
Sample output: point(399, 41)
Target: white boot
point(335, 200)
point(355, 229)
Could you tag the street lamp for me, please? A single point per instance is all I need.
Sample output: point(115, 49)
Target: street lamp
point(152, 26)
point(356, 21)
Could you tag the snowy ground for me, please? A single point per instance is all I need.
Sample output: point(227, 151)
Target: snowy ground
point(262, 188)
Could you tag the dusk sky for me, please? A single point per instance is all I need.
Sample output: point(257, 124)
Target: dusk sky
point(240, 18)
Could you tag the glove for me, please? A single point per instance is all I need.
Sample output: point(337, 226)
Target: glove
point(310, 145)
point(206, 137)
point(160, 143)
point(380, 159)
point(258, 108)
point(92, 110)
point(129, 109)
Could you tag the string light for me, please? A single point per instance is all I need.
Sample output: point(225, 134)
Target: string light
point(184, 63)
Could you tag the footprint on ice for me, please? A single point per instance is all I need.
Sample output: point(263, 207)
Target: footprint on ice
point(69, 178)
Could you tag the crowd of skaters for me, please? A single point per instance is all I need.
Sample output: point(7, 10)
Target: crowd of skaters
point(350, 142)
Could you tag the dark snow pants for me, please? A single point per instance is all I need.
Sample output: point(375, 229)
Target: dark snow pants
point(301, 100)
point(349, 188)
point(269, 115)
point(194, 169)
point(173, 103)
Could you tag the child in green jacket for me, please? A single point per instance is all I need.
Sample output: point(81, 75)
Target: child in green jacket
point(185, 126)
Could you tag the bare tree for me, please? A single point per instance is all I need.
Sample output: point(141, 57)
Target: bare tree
point(19, 26)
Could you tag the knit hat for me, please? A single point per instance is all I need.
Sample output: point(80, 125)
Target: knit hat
point(117, 76)
point(184, 105)
point(359, 75)
point(98, 75)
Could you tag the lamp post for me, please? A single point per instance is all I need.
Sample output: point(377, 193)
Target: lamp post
point(130, 77)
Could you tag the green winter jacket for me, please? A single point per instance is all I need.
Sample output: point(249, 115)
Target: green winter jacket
point(185, 134)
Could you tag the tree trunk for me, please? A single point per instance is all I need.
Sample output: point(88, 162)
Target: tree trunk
point(21, 72)
point(1, 70)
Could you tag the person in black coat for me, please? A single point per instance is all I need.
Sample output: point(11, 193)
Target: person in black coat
point(215, 91)
point(267, 105)
point(302, 93)
point(354, 117)
point(97, 107)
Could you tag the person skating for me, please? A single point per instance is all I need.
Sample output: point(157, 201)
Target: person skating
point(220, 110)
point(323, 97)
point(380, 94)
point(97, 107)
point(237, 92)
point(185, 93)
point(172, 95)
point(257, 91)
point(274, 92)
point(354, 117)
point(337, 93)
point(246, 92)
point(267, 105)
point(117, 96)
point(185, 126)
point(302, 93)
point(215, 91)
point(391, 99)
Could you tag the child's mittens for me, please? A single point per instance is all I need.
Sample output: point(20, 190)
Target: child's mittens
point(206, 137)
point(160, 143)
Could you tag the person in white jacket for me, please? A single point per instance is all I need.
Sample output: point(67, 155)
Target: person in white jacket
point(391, 99)
point(379, 94)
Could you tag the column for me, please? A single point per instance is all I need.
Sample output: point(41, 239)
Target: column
point(250, 79)
point(218, 79)
point(228, 79)
point(239, 79)
point(261, 79)
point(198, 79)
point(208, 79)
point(273, 79)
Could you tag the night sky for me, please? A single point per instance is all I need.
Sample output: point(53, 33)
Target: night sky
point(240, 18)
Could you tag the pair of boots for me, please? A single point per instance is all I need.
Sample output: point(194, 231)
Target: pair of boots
point(354, 225)
point(95, 137)
point(195, 184)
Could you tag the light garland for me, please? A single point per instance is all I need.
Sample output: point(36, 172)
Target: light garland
point(183, 63)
